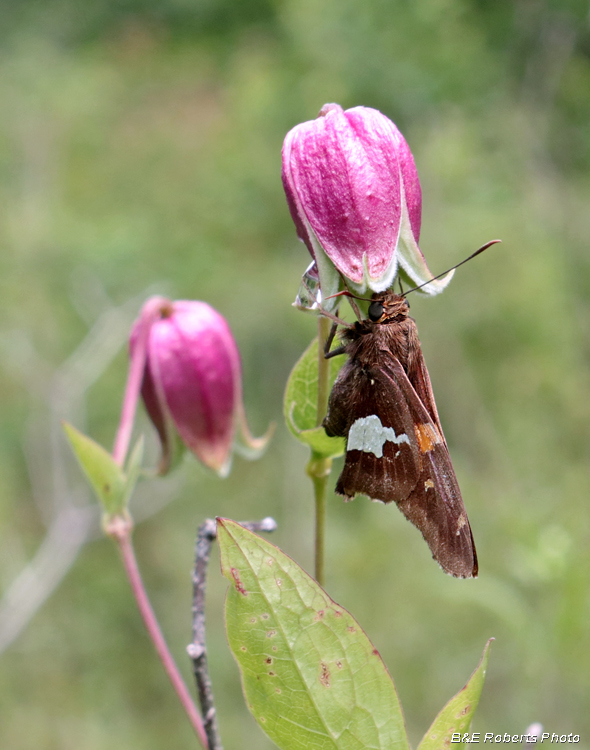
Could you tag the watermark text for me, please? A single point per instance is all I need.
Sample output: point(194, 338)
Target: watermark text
point(524, 739)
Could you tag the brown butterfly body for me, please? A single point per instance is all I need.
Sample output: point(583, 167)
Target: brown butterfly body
point(382, 403)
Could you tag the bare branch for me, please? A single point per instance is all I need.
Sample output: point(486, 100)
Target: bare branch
point(197, 650)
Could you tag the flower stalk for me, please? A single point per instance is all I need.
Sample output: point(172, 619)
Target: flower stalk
point(319, 467)
point(149, 314)
point(120, 529)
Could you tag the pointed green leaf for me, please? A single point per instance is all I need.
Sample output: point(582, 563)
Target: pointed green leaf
point(455, 718)
point(301, 398)
point(311, 677)
point(106, 477)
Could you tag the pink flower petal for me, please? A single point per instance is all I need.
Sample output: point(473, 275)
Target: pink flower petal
point(194, 357)
point(350, 179)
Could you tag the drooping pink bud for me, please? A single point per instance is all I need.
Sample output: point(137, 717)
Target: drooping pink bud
point(191, 380)
point(354, 195)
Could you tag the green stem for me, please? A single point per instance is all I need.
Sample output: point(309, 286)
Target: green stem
point(324, 326)
point(318, 468)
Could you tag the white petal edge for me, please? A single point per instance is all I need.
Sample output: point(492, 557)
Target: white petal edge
point(413, 263)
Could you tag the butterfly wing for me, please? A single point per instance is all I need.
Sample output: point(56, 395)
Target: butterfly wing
point(447, 531)
point(382, 457)
point(396, 452)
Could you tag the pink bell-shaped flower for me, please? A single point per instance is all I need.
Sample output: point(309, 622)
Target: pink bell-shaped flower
point(354, 195)
point(192, 379)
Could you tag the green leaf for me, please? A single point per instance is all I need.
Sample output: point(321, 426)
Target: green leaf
point(311, 677)
point(106, 477)
point(320, 443)
point(300, 404)
point(457, 714)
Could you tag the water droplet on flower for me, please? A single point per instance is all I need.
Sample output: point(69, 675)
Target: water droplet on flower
point(309, 296)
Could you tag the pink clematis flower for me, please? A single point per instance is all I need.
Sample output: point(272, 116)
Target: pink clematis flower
point(354, 195)
point(191, 379)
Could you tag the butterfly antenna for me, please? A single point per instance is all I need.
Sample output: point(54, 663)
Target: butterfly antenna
point(351, 298)
point(444, 273)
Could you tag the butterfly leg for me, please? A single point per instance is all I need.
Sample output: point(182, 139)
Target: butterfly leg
point(335, 352)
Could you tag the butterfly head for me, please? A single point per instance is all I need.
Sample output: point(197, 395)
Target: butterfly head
point(387, 306)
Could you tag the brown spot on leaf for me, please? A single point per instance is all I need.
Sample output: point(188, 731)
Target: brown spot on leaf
point(265, 616)
point(324, 674)
point(319, 615)
point(243, 648)
point(337, 613)
point(275, 648)
point(271, 633)
point(235, 574)
point(464, 711)
point(351, 629)
point(272, 674)
point(339, 664)
point(278, 690)
point(253, 620)
point(375, 652)
point(268, 660)
point(279, 582)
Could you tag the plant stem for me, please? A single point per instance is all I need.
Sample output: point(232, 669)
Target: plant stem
point(324, 326)
point(319, 468)
point(119, 528)
point(152, 309)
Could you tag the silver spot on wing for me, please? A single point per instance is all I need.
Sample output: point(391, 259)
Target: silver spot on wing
point(369, 435)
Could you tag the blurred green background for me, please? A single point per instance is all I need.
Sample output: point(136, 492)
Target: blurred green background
point(140, 153)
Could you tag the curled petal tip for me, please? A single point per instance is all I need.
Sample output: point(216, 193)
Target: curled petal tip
point(248, 446)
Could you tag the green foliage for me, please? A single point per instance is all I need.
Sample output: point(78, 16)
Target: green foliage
point(311, 676)
point(113, 486)
point(456, 716)
point(300, 403)
point(106, 477)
